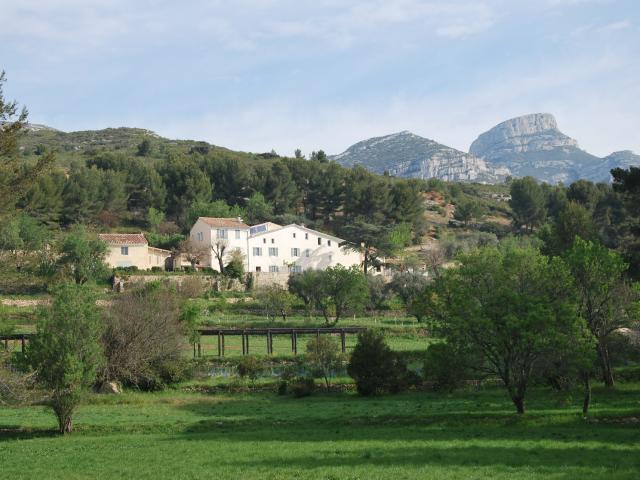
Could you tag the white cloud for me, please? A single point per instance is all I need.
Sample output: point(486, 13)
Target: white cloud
point(612, 27)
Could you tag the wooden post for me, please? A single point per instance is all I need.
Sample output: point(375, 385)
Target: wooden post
point(222, 344)
point(295, 343)
point(343, 341)
point(199, 350)
point(194, 350)
point(247, 340)
point(242, 338)
point(219, 345)
point(292, 347)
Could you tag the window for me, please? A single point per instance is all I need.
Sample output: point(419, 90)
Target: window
point(257, 252)
point(273, 240)
point(329, 242)
point(264, 240)
point(274, 268)
point(295, 252)
point(237, 234)
point(306, 236)
point(319, 241)
point(294, 234)
point(307, 253)
point(295, 269)
point(258, 269)
point(124, 250)
point(221, 233)
point(200, 236)
point(273, 251)
point(330, 258)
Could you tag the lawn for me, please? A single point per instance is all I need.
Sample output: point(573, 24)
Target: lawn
point(473, 434)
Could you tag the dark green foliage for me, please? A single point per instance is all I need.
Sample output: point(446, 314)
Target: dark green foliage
point(16, 177)
point(258, 209)
point(144, 148)
point(324, 357)
point(375, 367)
point(333, 292)
point(446, 368)
point(409, 286)
point(468, 210)
point(302, 387)
point(528, 203)
point(66, 352)
point(572, 221)
point(605, 299)
point(82, 256)
point(509, 307)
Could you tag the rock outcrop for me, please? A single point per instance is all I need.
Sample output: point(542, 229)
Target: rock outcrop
point(533, 145)
point(405, 154)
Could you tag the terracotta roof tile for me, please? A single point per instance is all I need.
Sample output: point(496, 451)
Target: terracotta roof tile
point(123, 238)
point(224, 222)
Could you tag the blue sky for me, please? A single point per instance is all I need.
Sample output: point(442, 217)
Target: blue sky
point(261, 74)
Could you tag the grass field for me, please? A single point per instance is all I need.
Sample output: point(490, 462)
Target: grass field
point(471, 434)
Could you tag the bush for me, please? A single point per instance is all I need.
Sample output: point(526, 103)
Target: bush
point(192, 287)
point(156, 269)
point(324, 357)
point(302, 387)
point(250, 367)
point(143, 337)
point(376, 368)
point(443, 368)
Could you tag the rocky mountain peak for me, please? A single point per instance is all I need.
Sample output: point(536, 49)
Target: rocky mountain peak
point(534, 132)
point(405, 154)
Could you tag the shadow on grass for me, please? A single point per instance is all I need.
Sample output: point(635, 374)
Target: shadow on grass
point(15, 432)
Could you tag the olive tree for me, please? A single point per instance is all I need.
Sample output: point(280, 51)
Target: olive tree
point(66, 353)
point(510, 307)
point(606, 299)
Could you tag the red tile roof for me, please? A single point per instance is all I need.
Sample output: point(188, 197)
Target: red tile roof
point(224, 222)
point(123, 238)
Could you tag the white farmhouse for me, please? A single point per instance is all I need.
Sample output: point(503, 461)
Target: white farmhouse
point(269, 247)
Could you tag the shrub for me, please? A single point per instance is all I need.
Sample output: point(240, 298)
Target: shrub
point(66, 352)
point(192, 287)
point(324, 357)
point(250, 367)
point(143, 336)
point(375, 367)
point(156, 269)
point(444, 368)
point(302, 387)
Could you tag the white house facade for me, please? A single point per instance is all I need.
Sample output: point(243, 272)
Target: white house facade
point(272, 248)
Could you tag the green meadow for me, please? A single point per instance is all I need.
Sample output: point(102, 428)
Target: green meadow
point(470, 434)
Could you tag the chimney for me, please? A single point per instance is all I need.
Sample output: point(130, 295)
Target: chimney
point(239, 219)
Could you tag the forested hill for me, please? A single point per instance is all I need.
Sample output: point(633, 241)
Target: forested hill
point(70, 146)
point(124, 178)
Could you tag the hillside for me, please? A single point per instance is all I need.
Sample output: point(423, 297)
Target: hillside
point(70, 146)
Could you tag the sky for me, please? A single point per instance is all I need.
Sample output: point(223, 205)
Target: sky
point(258, 75)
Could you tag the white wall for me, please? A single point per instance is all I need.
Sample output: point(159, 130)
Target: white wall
point(320, 256)
point(209, 237)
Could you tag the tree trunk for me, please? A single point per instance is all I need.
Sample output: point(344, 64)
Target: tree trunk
point(587, 394)
point(605, 364)
point(518, 401)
